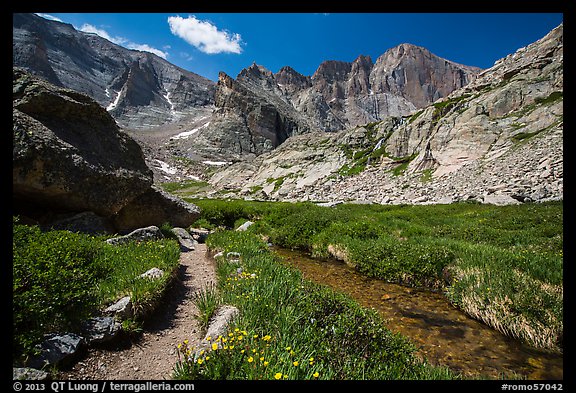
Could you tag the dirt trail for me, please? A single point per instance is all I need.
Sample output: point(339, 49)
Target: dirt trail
point(154, 354)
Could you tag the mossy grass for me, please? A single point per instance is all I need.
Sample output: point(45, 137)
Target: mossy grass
point(500, 264)
point(291, 328)
point(61, 278)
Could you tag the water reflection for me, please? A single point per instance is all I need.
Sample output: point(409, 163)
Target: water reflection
point(444, 335)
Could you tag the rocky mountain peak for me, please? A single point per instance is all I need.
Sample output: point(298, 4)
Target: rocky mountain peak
point(291, 80)
point(362, 62)
point(332, 70)
point(498, 140)
point(255, 71)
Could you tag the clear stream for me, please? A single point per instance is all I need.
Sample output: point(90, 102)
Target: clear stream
point(444, 335)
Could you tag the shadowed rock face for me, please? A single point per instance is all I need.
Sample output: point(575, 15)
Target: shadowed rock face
point(140, 89)
point(70, 156)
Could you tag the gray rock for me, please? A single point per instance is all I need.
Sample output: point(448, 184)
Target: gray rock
point(219, 322)
point(217, 326)
point(152, 274)
point(56, 350)
point(199, 234)
point(69, 154)
point(141, 234)
point(100, 329)
point(156, 207)
point(30, 374)
point(187, 242)
point(245, 226)
point(500, 200)
point(122, 309)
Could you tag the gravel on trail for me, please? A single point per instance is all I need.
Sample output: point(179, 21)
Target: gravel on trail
point(153, 354)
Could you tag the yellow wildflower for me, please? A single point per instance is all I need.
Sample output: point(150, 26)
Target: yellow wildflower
point(214, 346)
point(199, 361)
point(250, 359)
point(316, 374)
point(266, 338)
point(278, 375)
point(296, 363)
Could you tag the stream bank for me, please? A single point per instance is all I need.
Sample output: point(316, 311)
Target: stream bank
point(443, 334)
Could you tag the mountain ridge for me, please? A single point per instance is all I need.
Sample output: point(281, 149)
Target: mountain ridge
point(138, 88)
point(497, 140)
point(144, 91)
point(337, 96)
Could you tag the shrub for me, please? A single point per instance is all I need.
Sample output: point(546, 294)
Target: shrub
point(61, 278)
point(54, 274)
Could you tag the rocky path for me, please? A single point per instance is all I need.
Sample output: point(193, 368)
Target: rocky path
point(153, 355)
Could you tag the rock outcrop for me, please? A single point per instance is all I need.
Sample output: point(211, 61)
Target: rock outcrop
point(251, 117)
point(69, 156)
point(499, 140)
point(139, 89)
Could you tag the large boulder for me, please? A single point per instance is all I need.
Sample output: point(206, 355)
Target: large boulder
point(69, 156)
point(68, 153)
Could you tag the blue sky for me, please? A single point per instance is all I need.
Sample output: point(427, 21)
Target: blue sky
point(208, 43)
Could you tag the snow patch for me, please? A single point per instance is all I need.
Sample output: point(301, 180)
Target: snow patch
point(114, 103)
point(165, 167)
point(167, 97)
point(215, 163)
point(186, 134)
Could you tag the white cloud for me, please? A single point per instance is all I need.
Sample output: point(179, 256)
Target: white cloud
point(204, 35)
point(186, 56)
point(48, 16)
point(88, 28)
point(147, 48)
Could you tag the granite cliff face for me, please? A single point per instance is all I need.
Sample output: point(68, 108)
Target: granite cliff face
point(259, 110)
point(499, 139)
point(139, 89)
